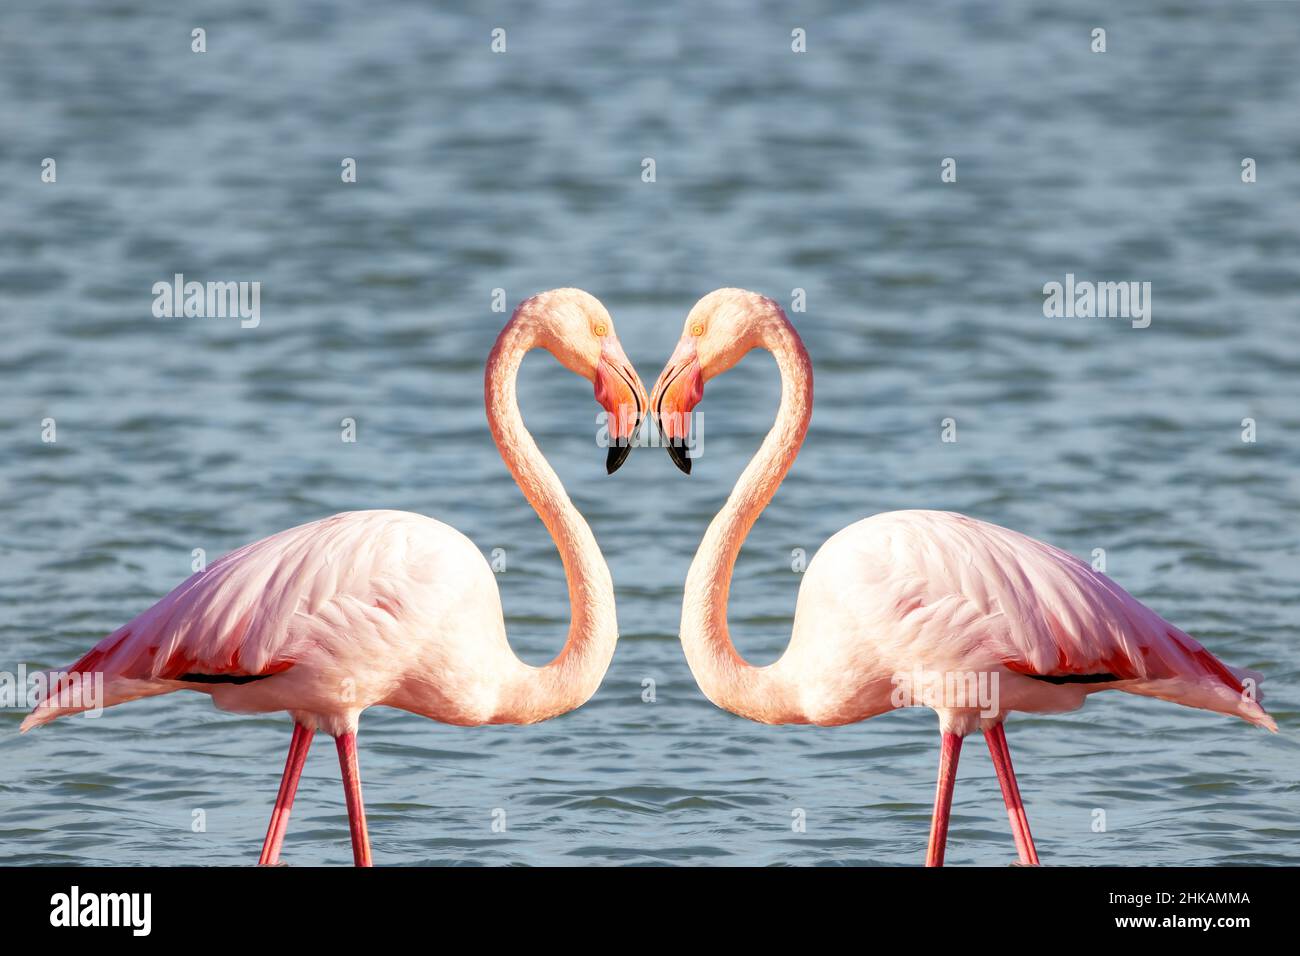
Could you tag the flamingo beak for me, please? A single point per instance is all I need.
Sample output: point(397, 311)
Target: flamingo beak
point(679, 389)
point(620, 392)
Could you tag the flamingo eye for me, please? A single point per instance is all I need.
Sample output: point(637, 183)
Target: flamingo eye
point(697, 329)
point(601, 329)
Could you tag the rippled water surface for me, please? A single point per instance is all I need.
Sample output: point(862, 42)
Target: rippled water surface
point(775, 171)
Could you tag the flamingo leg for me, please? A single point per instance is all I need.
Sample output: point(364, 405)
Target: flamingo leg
point(347, 746)
point(298, 748)
point(951, 750)
point(1001, 753)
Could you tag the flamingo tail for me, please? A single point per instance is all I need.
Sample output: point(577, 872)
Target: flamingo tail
point(1210, 684)
point(91, 684)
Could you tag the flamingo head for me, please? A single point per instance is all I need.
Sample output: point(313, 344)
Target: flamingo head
point(719, 330)
point(574, 327)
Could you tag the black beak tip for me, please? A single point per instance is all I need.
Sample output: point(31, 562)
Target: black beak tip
point(677, 452)
point(617, 455)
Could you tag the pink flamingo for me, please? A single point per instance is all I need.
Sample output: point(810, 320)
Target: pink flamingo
point(388, 607)
point(912, 593)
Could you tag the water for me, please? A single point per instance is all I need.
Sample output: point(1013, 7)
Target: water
point(774, 171)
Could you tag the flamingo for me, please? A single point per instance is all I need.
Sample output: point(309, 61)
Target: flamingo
point(908, 592)
point(387, 607)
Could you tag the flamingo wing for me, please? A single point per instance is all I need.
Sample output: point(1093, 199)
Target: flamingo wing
point(252, 613)
point(1045, 614)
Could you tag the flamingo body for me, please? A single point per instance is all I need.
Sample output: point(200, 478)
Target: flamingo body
point(387, 607)
point(326, 619)
point(990, 620)
point(949, 594)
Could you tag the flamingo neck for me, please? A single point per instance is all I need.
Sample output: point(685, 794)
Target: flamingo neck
point(568, 681)
point(723, 675)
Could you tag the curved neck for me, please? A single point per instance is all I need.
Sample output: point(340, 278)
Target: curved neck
point(572, 677)
point(724, 676)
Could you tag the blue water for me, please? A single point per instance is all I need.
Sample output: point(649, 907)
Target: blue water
point(774, 171)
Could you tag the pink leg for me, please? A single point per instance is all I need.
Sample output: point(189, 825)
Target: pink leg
point(943, 799)
point(347, 744)
point(1001, 753)
point(298, 748)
